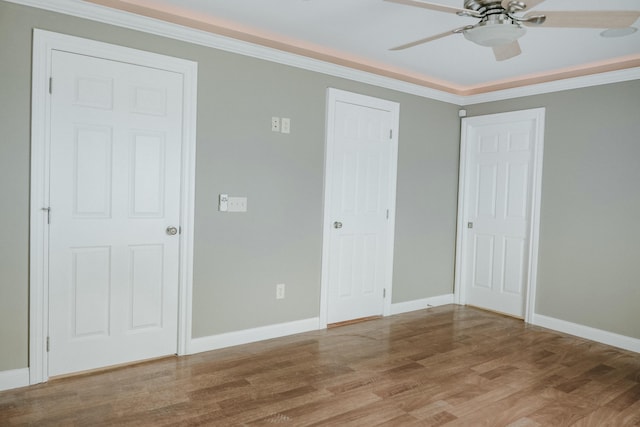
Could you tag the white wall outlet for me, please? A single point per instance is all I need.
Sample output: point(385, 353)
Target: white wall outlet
point(280, 291)
point(285, 125)
point(223, 202)
point(237, 204)
point(275, 124)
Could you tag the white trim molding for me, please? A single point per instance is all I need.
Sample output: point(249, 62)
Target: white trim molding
point(587, 332)
point(14, 378)
point(554, 86)
point(333, 97)
point(96, 13)
point(44, 43)
point(246, 336)
point(537, 115)
point(421, 304)
point(81, 9)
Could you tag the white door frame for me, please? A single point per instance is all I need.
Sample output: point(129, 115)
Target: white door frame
point(538, 115)
point(333, 96)
point(44, 43)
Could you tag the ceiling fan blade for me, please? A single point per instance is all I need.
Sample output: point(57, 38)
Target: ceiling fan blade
point(426, 39)
point(431, 6)
point(588, 18)
point(507, 51)
point(530, 4)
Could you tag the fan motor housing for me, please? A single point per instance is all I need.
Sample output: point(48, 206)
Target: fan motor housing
point(483, 5)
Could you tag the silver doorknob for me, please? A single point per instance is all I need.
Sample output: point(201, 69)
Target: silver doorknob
point(337, 224)
point(172, 231)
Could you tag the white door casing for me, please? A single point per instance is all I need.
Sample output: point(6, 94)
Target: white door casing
point(114, 189)
point(47, 47)
point(499, 205)
point(360, 182)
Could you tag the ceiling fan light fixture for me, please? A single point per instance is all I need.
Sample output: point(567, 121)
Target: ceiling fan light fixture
point(492, 34)
point(618, 32)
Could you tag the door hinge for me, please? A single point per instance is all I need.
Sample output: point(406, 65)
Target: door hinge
point(48, 210)
point(50, 85)
point(48, 344)
point(384, 293)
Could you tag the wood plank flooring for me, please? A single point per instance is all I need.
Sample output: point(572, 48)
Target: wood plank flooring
point(446, 366)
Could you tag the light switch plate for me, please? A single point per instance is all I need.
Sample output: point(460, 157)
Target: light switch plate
point(237, 204)
point(285, 125)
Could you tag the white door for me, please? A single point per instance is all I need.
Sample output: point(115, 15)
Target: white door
point(114, 190)
point(500, 163)
point(361, 161)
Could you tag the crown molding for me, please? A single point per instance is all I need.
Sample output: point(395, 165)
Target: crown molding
point(107, 15)
point(81, 9)
point(554, 86)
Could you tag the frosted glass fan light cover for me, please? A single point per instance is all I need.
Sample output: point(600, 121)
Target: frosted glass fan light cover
point(496, 34)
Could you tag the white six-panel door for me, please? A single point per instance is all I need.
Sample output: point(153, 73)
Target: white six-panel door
point(114, 190)
point(499, 161)
point(360, 193)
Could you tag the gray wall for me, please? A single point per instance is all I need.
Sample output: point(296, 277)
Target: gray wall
point(589, 259)
point(239, 258)
point(15, 116)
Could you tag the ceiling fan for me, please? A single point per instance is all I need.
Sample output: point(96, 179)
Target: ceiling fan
point(500, 26)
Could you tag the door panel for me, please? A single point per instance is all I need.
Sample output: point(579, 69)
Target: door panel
point(483, 261)
point(513, 270)
point(517, 190)
point(147, 175)
point(92, 171)
point(90, 292)
point(359, 199)
point(146, 286)
point(487, 187)
point(114, 189)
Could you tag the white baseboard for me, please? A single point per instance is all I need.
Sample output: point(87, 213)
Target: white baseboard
point(593, 334)
point(14, 378)
point(421, 304)
point(214, 342)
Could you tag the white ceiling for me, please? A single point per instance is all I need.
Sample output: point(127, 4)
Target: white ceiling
point(362, 31)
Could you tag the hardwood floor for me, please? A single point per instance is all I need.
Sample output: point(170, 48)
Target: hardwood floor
point(451, 365)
